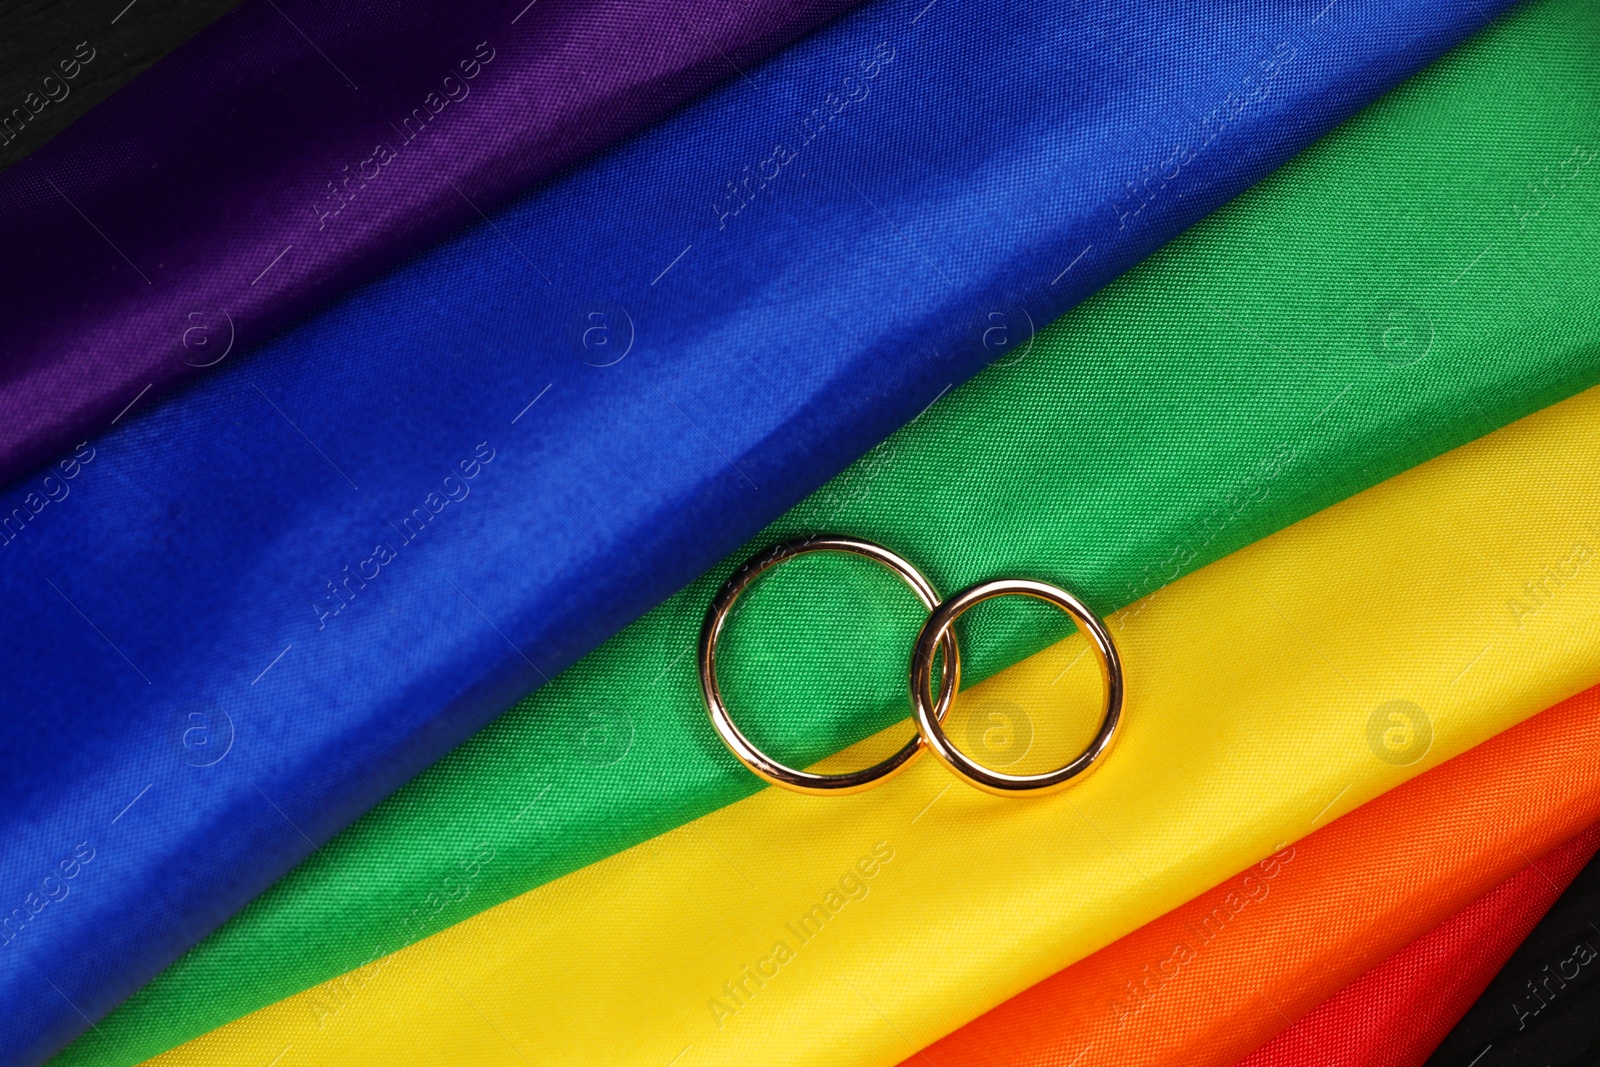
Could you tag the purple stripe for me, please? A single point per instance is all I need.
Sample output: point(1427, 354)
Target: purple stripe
point(295, 148)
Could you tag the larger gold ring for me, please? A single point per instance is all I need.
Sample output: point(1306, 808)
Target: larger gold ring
point(940, 625)
point(765, 766)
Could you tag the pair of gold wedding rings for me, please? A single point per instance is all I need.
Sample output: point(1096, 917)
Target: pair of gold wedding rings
point(937, 634)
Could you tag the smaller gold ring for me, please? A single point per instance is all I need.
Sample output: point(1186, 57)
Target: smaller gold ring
point(766, 767)
point(940, 624)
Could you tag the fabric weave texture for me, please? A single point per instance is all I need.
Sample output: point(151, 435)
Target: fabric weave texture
point(296, 148)
point(1398, 1012)
point(1144, 436)
point(275, 599)
point(1556, 1019)
point(1209, 981)
point(1246, 737)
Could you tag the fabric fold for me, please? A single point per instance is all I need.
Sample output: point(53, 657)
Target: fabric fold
point(294, 149)
point(1398, 1012)
point(1318, 922)
point(1285, 684)
point(1542, 1006)
point(1063, 458)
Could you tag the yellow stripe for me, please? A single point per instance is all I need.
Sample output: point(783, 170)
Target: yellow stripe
point(1261, 690)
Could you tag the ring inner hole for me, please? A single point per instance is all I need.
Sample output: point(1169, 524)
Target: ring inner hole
point(812, 661)
point(1040, 714)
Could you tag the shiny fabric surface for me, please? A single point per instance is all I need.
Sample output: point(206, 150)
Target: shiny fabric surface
point(1544, 1005)
point(1213, 979)
point(1398, 1012)
point(1359, 648)
point(1064, 464)
point(297, 147)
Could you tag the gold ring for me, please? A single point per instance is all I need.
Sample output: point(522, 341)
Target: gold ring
point(939, 626)
point(763, 765)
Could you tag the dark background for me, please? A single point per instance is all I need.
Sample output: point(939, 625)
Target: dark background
point(1566, 1031)
point(35, 35)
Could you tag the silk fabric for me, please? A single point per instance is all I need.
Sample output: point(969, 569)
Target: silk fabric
point(619, 751)
point(296, 148)
point(1283, 685)
point(1217, 977)
point(1544, 1005)
point(1398, 1012)
point(267, 604)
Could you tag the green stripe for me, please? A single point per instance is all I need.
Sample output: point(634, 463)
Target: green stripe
point(1256, 370)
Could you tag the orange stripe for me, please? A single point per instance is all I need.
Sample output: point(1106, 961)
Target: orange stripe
point(1211, 981)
